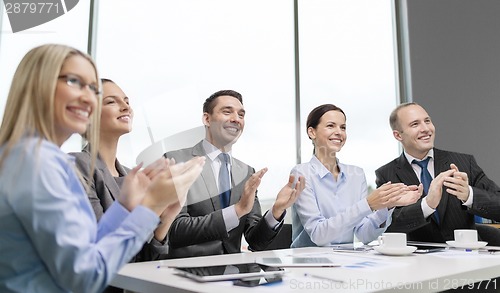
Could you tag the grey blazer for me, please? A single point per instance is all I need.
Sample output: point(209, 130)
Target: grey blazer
point(103, 190)
point(199, 229)
point(452, 214)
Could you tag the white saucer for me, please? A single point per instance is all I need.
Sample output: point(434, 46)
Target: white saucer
point(471, 245)
point(396, 251)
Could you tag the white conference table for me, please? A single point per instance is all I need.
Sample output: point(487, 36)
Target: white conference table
point(360, 272)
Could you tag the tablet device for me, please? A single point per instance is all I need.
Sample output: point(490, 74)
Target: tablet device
point(295, 261)
point(250, 272)
point(257, 281)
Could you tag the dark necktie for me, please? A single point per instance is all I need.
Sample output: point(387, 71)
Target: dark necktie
point(426, 178)
point(224, 184)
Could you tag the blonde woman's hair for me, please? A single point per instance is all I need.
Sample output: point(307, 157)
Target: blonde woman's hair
point(30, 104)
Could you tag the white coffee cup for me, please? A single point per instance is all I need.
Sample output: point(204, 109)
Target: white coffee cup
point(392, 240)
point(465, 236)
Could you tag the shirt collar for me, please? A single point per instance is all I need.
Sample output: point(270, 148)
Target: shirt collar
point(410, 158)
point(212, 151)
point(323, 171)
point(71, 158)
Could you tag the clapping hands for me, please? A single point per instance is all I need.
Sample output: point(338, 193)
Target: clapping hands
point(161, 185)
point(457, 184)
point(288, 195)
point(411, 196)
point(390, 195)
point(285, 198)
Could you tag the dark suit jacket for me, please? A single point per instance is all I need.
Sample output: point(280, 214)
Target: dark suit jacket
point(199, 229)
point(453, 215)
point(102, 192)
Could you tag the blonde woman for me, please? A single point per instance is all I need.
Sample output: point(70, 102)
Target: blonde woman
point(45, 216)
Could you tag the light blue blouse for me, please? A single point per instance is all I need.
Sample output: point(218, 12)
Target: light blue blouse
point(331, 211)
point(49, 238)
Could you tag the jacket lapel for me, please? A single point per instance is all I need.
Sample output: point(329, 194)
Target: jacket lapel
point(109, 180)
point(441, 164)
point(121, 169)
point(238, 176)
point(405, 172)
point(207, 175)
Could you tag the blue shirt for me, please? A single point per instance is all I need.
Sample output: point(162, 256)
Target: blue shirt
point(49, 238)
point(330, 211)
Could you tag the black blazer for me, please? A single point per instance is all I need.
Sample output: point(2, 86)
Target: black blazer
point(199, 229)
point(453, 215)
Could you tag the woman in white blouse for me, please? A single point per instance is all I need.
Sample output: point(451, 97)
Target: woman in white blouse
point(335, 206)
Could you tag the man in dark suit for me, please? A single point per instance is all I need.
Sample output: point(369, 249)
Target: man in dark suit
point(214, 218)
point(458, 189)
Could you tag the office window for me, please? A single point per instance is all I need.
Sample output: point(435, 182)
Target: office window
point(169, 56)
point(175, 54)
point(347, 59)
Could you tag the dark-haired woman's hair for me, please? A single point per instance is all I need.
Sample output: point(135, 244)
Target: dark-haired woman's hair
point(318, 112)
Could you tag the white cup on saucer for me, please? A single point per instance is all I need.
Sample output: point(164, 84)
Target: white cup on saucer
point(463, 236)
point(392, 240)
point(394, 244)
point(466, 238)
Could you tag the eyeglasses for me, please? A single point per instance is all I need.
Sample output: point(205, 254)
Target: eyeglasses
point(75, 82)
